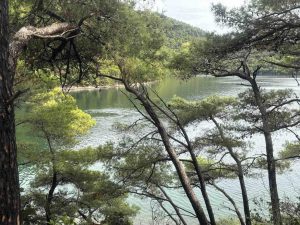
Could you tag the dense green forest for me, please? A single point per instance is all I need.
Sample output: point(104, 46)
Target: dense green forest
point(178, 33)
point(49, 46)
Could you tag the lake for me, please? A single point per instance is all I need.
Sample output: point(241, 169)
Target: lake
point(111, 106)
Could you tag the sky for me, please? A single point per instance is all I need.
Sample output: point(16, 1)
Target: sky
point(195, 12)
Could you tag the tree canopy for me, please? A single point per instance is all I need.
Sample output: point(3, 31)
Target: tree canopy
point(45, 44)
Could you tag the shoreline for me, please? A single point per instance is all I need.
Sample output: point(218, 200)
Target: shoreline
point(93, 88)
point(99, 88)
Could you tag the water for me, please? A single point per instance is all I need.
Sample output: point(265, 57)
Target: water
point(109, 106)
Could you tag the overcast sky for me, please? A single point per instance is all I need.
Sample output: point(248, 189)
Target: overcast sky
point(195, 12)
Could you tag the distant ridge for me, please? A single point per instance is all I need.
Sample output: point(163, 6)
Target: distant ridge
point(179, 32)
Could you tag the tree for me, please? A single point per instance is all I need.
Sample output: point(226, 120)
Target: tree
point(145, 168)
point(58, 121)
point(261, 27)
point(133, 64)
point(153, 111)
point(74, 40)
point(9, 183)
point(91, 195)
point(214, 109)
point(48, 30)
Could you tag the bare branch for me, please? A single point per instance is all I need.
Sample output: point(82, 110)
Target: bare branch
point(25, 34)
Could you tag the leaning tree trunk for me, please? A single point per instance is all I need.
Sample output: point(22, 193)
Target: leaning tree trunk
point(184, 179)
point(275, 203)
point(9, 182)
point(239, 172)
point(199, 175)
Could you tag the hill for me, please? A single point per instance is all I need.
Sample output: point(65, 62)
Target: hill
point(178, 32)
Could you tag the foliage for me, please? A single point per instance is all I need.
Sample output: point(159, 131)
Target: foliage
point(228, 221)
point(64, 220)
point(212, 170)
point(137, 46)
point(144, 168)
point(113, 38)
point(289, 209)
point(275, 41)
point(139, 164)
point(178, 33)
point(281, 105)
point(116, 35)
point(56, 116)
point(263, 33)
point(204, 109)
point(292, 150)
point(62, 175)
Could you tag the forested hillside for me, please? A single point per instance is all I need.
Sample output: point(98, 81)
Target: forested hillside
point(178, 32)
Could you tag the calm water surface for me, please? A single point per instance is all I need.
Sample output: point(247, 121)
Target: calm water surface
point(110, 106)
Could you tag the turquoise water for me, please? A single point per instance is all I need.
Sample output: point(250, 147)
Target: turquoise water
point(111, 106)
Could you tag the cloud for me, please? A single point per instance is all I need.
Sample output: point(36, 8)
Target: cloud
point(195, 12)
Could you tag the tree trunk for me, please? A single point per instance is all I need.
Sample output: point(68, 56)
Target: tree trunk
point(239, 172)
point(244, 195)
point(50, 198)
point(272, 180)
point(54, 182)
point(198, 170)
point(9, 53)
point(236, 209)
point(276, 214)
point(173, 205)
point(203, 187)
point(185, 181)
point(9, 181)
